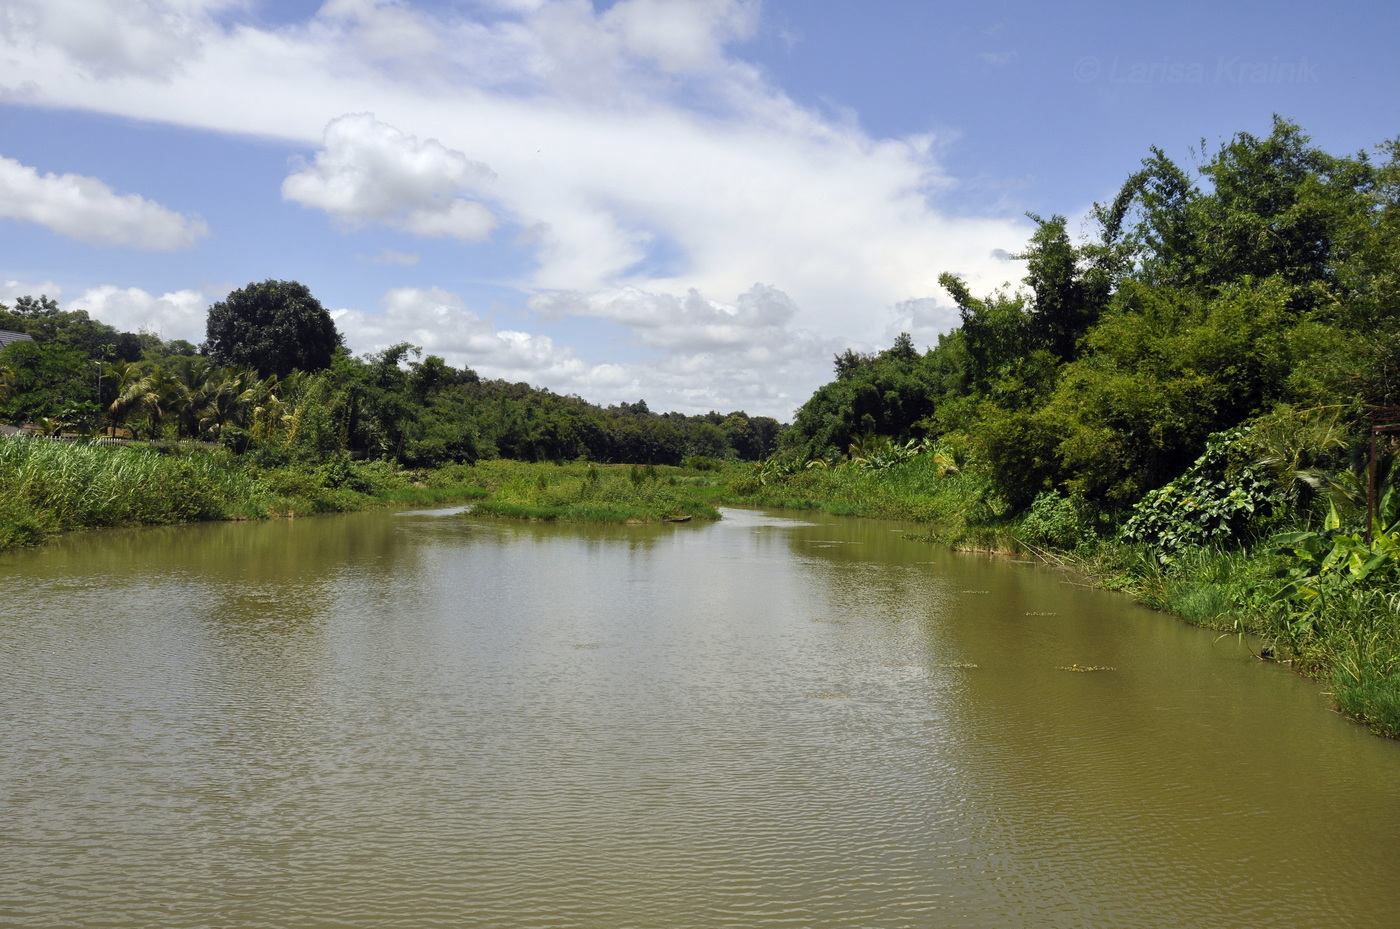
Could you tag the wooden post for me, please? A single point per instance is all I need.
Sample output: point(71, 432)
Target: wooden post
point(1371, 485)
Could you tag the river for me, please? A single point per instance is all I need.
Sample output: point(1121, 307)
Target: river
point(425, 719)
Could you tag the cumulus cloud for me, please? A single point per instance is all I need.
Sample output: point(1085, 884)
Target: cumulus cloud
point(924, 318)
point(178, 315)
point(86, 209)
point(690, 323)
point(368, 171)
point(440, 323)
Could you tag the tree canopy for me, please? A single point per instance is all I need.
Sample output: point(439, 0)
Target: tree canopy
point(275, 327)
point(1208, 296)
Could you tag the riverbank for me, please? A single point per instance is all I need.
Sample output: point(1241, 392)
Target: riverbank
point(587, 492)
point(47, 488)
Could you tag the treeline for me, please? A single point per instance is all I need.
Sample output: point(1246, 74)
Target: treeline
point(270, 401)
point(1258, 288)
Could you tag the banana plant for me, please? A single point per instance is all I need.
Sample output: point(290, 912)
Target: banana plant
point(1331, 556)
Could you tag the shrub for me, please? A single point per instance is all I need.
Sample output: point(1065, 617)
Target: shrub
point(1217, 501)
point(1055, 521)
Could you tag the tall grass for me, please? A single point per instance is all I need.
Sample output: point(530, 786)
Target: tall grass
point(48, 487)
point(583, 492)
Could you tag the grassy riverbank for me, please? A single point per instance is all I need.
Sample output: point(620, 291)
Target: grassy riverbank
point(586, 492)
point(48, 487)
point(958, 506)
point(51, 487)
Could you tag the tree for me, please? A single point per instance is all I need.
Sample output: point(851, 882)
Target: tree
point(42, 319)
point(1068, 292)
point(276, 327)
point(48, 381)
point(886, 394)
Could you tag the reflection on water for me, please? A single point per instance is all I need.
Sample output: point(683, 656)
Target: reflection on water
point(429, 720)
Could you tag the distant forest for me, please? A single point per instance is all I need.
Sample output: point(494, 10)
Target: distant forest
point(274, 380)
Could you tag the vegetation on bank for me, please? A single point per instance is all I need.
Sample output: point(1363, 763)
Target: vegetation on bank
point(587, 492)
point(81, 377)
point(51, 487)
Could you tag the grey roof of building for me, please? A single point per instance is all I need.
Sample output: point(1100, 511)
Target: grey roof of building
point(8, 338)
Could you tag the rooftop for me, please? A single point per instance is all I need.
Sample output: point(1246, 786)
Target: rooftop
point(7, 337)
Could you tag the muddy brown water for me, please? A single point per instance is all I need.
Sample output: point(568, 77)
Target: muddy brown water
point(428, 720)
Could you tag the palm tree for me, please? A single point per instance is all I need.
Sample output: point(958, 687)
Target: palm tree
point(143, 391)
point(190, 381)
point(266, 410)
point(229, 397)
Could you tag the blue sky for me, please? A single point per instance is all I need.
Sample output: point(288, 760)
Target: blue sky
point(695, 202)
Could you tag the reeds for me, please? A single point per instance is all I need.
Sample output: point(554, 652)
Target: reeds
point(51, 486)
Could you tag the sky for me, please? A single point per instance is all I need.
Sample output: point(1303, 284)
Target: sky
point(692, 202)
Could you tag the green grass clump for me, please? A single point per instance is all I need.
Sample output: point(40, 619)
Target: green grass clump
point(49, 487)
point(584, 492)
point(959, 507)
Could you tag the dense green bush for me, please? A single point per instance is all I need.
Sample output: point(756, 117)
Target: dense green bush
point(1218, 501)
point(1056, 521)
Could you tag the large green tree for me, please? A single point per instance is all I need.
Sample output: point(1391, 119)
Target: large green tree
point(885, 394)
point(276, 327)
point(47, 381)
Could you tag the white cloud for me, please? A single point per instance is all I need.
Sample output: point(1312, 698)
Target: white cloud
point(923, 318)
point(84, 208)
point(643, 173)
point(679, 35)
point(997, 59)
point(108, 38)
point(178, 315)
point(389, 256)
point(10, 289)
point(709, 362)
point(691, 323)
point(385, 30)
point(441, 324)
point(369, 171)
